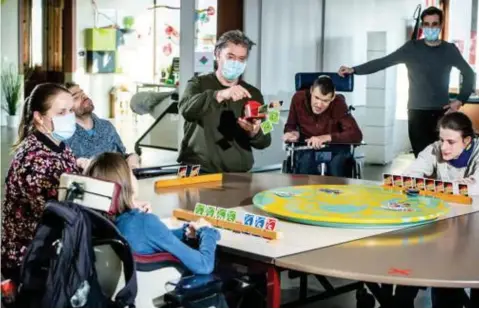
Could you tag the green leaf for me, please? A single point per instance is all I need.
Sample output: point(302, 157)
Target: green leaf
point(11, 83)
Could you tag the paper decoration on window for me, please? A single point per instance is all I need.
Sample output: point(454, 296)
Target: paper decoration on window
point(204, 62)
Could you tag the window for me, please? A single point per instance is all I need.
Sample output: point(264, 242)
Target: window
point(37, 34)
point(152, 50)
point(462, 30)
point(206, 25)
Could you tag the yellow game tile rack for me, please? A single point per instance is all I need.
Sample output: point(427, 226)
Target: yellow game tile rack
point(163, 183)
point(186, 215)
point(453, 198)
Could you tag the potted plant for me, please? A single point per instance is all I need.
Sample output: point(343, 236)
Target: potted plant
point(12, 90)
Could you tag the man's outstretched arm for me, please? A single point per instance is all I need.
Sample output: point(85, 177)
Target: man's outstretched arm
point(373, 66)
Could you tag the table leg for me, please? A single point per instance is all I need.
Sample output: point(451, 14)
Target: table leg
point(303, 287)
point(274, 287)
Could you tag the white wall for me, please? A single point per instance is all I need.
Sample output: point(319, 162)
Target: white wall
point(290, 43)
point(347, 25)
point(288, 36)
point(98, 86)
point(9, 39)
point(9, 25)
point(252, 28)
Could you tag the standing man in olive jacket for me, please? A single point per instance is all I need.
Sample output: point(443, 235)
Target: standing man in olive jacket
point(215, 133)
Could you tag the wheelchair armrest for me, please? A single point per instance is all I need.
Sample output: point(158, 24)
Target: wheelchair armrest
point(151, 262)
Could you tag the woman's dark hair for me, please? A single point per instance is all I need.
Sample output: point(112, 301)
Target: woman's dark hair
point(325, 85)
point(459, 122)
point(38, 101)
point(432, 10)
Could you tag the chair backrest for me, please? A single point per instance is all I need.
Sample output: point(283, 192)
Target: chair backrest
point(306, 80)
point(103, 196)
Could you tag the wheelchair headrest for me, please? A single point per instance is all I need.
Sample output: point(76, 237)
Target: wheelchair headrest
point(90, 192)
point(342, 84)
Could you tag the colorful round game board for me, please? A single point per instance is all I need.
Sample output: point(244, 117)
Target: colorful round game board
point(357, 206)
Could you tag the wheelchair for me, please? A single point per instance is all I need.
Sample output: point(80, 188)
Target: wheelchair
point(292, 149)
point(342, 84)
point(161, 278)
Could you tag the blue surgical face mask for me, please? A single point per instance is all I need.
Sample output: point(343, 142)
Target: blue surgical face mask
point(431, 33)
point(233, 69)
point(64, 126)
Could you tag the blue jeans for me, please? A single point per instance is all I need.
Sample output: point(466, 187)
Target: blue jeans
point(339, 162)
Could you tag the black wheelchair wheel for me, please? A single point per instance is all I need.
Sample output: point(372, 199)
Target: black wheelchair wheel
point(286, 169)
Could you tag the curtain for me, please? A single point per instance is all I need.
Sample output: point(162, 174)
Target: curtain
point(290, 43)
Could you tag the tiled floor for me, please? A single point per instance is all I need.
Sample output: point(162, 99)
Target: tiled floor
point(151, 157)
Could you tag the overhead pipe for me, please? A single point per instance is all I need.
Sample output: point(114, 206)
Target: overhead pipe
point(323, 31)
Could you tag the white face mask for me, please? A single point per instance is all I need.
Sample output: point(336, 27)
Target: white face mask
point(64, 126)
point(232, 69)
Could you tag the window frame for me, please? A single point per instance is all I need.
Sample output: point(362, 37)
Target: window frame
point(445, 5)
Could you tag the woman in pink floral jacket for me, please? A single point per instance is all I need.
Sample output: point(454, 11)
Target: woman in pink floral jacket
point(33, 178)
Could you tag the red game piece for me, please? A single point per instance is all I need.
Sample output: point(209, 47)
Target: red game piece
point(251, 110)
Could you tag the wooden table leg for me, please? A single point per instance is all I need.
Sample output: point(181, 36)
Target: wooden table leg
point(274, 287)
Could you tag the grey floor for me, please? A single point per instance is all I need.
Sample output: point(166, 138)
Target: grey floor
point(130, 133)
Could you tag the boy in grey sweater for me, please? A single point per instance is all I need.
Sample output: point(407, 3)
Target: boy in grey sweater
point(455, 157)
point(429, 62)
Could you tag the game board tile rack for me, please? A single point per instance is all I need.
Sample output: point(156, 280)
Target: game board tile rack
point(185, 215)
point(163, 183)
point(453, 198)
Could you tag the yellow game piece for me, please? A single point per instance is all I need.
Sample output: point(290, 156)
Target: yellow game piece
point(188, 180)
point(186, 215)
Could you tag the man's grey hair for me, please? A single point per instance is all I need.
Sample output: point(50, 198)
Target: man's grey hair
point(235, 37)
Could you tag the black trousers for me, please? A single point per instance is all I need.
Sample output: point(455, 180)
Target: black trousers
point(441, 297)
point(422, 128)
point(454, 298)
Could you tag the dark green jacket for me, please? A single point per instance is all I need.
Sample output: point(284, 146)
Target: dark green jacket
point(212, 136)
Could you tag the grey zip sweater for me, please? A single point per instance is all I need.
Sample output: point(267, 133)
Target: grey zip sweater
point(212, 136)
point(429, 69)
